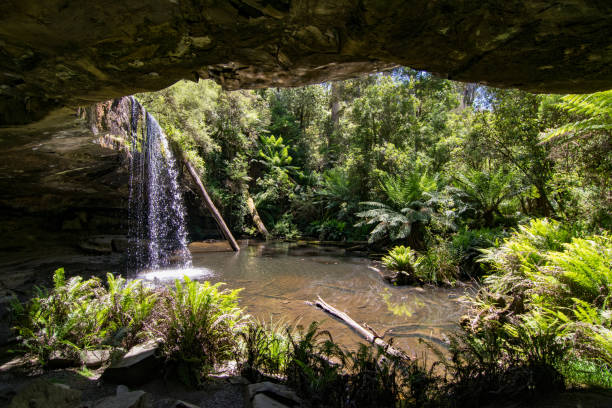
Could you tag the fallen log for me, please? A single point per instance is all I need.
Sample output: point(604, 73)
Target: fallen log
point(211, 206)
point(370, 335)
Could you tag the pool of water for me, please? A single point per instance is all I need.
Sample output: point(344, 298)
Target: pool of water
point(278, 278)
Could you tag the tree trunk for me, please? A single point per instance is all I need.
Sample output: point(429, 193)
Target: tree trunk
point(256, 219)
point(211, 206)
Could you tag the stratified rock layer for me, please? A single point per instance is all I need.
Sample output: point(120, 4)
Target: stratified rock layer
point(64, 52)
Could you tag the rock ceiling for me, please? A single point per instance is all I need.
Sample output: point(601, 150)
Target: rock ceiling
point(58, 53)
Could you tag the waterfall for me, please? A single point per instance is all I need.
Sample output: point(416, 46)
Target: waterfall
point(156, 216)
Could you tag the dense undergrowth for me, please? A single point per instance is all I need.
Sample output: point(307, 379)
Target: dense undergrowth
point(541, 322)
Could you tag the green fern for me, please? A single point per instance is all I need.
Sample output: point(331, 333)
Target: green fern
point(389, 222)
point(595, 108)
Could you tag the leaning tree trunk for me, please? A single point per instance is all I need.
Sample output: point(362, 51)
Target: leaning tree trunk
point(211, 206)
point(256, 218)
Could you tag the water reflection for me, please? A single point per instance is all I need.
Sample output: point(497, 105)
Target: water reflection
point(279, 278)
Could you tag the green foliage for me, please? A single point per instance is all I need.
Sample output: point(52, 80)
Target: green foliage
point(550, 289)
point(401, 258)
point(285, 228)
point(197, 323)
point(439, 264)
point(389, 222)
point(433, 152)
point(466, 247)
point(78, 314)
point(328, 230)
point(274, 153)
point(128, 306)
point(264, 349)
point(584, 269)
point(337, 194)
point(408, 191)
point(525, 250)
point(596, 109)
point(485, 191)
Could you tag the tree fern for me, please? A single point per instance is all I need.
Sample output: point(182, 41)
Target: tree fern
point(389, 222)
point(595, 108)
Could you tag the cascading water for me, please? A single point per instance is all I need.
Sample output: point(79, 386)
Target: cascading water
point(157, 236)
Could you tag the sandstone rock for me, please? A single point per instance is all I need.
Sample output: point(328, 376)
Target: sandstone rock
point(43, 394)
point(267, 394)
point(120, 244)
point(62, 360)
point(98, 244)
point(534, 45)
point(133, 399)
point(183, 404)
point(7, 392)
point(238, 380)
point(95, 358)
point(121, 389)
point(264, 401)
point(137, 367)
point(6, 299)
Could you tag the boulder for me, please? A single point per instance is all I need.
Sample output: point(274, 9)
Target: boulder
point(95, 358)
point(7, 392)
point(121, 389)
point(137, 367)
point(43, 394)
point(271, 395)
point(133, 399)
point(60, 359)
point(7, 297)
point(183, 404)
point(264, 401)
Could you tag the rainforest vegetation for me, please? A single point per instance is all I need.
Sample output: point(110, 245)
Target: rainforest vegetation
point(453, 181)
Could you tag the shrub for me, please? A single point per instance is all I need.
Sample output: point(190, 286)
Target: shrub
point(400, 258)
point(64, 319)
point(328, 230)
point(264, 349)
point(128, 308)
point(466, 247)
point(285, 228)
point(403, 260)
point(79, 314)
point(550, 288)
point(438, 264)
point(197, 324)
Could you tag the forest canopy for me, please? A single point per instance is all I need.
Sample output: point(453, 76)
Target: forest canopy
point(400, 155)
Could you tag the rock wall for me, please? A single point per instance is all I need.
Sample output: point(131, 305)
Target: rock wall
point(69, 53)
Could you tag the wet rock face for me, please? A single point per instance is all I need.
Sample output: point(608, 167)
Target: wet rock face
point(68, 53)
point(62, 185)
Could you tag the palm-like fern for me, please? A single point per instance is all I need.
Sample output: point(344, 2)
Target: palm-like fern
point(406, 194)
point(274, 153)
point(485, 191)
point(409, 190)
point(387, 221)
point(595, 108)
point(337, 194)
